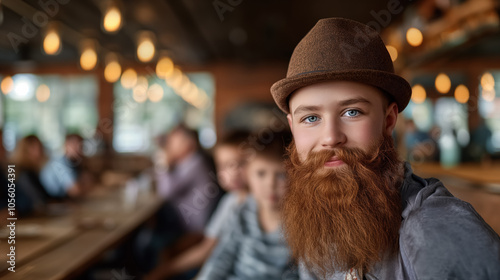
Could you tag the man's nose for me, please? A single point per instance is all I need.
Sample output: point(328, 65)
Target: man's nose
point(332, 135)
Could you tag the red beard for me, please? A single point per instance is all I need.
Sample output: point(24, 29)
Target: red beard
point(345, 217)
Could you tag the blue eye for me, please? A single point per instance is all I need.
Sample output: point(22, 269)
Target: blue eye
point(311, 119)
point(352, 113)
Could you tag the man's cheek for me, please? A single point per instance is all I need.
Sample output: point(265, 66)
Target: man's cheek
point(303, 144)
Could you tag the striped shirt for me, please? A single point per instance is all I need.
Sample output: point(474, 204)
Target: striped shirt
point(247, 252)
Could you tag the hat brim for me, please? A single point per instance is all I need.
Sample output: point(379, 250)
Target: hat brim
point(393, 84)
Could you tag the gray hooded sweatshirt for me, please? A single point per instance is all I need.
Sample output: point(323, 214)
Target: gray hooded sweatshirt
point(441, 237)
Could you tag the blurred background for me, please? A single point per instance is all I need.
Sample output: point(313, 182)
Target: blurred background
point(122, 74)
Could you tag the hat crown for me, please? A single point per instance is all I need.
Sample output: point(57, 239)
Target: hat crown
point(338, 49)
point(337, 44)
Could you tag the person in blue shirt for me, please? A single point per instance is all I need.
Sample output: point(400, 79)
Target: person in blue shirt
point(60, 175)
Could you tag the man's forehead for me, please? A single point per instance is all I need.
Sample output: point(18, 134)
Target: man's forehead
point(338, 92)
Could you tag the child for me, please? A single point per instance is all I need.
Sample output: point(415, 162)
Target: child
point(254, 248)
point(229, 162)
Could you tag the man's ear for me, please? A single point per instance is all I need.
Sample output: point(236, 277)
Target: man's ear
point(391, 117)
point(289, 118)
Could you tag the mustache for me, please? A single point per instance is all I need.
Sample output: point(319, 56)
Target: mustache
point(349, 155)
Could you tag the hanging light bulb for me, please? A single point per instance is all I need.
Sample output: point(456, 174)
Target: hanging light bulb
point(113, 69)
point(42, 93)
point(414, 37)
point(140, 90)
point(7, 85)
point(164, 67)
point(175, 79)
point(140, 94)
point(443, 83)
point(462, 94)
point(88, 57)
point(488, 95)
point(155, 93)
point(129, 78)
point(418, 94)
point(145, 46)
point(112, 20)
point(52, 40)
point(487, 81)
point(393, 52)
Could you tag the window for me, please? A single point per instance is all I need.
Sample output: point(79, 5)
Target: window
point(50, 106)
point(154, 109)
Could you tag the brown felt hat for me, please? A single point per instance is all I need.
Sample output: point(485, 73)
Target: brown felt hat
point(344, 50)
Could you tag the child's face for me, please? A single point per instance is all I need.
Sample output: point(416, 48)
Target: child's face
point(230, 171)
point(267, 181)
point(177, 145)
point(339, 114)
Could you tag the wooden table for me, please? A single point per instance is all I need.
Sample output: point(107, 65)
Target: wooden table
point(71, 243)
point(477, 184)
point(474, 172)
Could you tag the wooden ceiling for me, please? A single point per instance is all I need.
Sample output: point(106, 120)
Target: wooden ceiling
point(194, 32)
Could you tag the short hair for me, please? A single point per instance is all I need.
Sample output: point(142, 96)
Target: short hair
point(21, 156)
point(190, 133)
point(74, 136)
point(234, 138)
point(273, 146)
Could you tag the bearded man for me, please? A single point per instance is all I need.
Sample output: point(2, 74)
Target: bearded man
point(354, 210)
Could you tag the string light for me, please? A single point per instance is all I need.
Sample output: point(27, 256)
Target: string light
point(155, 93)
point(145, 46)
point(129, 78)
point(175, 79)
point(88, 58)
point(393, 52)
point(443, 83)
point(418, 94)
point(140, 93)
point(7, 85)
point(52, 40)
point(164, 68)
point(42, 93)
point(414, 37)
point(113, 69)
point(183, 87)
point(487, 81)
point(462, 94)
point(112, 20)
point(488, 95)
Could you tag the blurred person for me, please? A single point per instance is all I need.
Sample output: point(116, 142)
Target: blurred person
point(187, 185)
point(229, 163)
point(29, 158)
point(60, 175)
point(189, 189)
point(4, 194)
point(353, 209)
point(479, 145)
point(253, 247)
point(25, 205)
